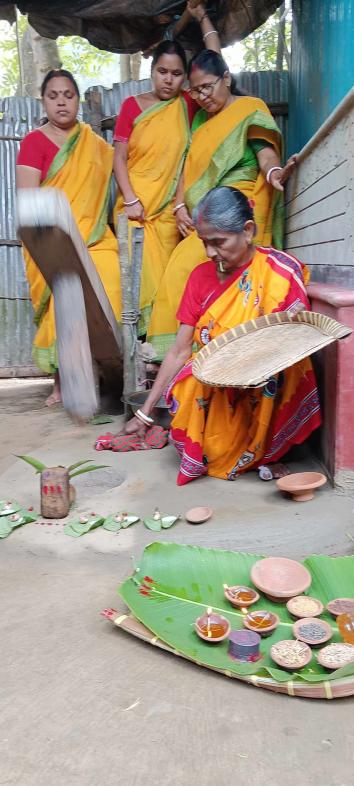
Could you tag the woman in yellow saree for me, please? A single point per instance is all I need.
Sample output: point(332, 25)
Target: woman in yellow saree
point(235, 142)
point(68, 155)
point(225, 431)
point(152, 137)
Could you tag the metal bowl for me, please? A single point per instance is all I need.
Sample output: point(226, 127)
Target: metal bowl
point(160, 412)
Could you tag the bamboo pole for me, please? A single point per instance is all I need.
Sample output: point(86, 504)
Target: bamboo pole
point(130, 287)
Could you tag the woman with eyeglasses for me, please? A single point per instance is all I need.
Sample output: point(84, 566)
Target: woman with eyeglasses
point(235, 142)
point(152, 135)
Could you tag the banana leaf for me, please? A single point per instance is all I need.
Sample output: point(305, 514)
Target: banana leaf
point(165, 522)
point(9, 523)
point(77, 528)
point(38, 465)
point(7, 508)
point(112, 525)
point(182, 581)
point(91, 468)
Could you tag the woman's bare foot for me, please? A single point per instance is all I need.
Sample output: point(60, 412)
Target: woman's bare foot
point(55, 396)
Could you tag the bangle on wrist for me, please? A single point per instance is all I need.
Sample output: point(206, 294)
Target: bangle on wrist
point(181, 204)
point(144, 418)
point(271, 170)
point(210, 32)
point(132, 202)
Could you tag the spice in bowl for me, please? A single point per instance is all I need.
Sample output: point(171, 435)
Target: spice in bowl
point(336, 655)
point(312, 631)
point(263, 622)
point(291, 654)
point(341, 606)
point(304, 606)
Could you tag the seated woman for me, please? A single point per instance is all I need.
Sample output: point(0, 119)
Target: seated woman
point(225, 431)
point(235, 142)
point(68, 155)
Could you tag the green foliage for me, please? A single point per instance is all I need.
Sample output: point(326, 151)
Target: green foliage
point(83, 59)
point(9, 68)
point(260, 47)
point(39, 466)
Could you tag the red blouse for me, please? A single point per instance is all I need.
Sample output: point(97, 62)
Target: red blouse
point(130, 110)
point(202, 289)
point(37, 151)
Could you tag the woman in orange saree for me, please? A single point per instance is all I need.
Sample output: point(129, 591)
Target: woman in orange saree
point(223, 432)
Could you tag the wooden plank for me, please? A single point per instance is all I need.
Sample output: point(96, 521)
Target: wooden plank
point(48, 230)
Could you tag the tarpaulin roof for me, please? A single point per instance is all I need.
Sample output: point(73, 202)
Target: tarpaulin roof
point(134, 25)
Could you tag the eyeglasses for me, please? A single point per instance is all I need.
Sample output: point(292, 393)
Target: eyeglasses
point(204, 90)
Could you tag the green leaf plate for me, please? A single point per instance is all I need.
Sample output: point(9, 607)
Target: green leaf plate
point(112, 525)
point(77, 528)
point(187, 579)
point(7, 507)
point(11, 522)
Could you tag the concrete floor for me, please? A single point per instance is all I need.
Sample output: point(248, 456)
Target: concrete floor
point(84, 704)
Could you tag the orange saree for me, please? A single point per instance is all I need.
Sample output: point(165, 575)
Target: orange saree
point(223, 432)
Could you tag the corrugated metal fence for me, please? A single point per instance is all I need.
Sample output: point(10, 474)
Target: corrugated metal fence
point(17, 117)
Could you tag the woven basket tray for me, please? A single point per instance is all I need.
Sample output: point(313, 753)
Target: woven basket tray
point(249, 354)
point(293, 687)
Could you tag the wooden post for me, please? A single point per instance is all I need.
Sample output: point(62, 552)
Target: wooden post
point(130, 287)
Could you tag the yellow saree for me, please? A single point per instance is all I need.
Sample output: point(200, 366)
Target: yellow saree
point(217, 158)
point(225, 431)
point(82, 170)
point(156, 151)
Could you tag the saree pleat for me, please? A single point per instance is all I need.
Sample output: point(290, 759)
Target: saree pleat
point(215, 159)
point(225, 431)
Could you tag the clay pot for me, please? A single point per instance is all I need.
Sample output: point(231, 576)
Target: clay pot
point(280, 578)
point(301, 485)
point(231, 595)
point(198, 515)
point(273, 622)
point(217, 619)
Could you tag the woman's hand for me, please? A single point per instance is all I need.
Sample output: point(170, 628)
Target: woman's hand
point(197, 12)
point(135, 426)
point(184, 221)
point(135, 212)
point(280, 176)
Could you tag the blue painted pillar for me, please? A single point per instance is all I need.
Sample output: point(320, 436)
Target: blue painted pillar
point(322, 64)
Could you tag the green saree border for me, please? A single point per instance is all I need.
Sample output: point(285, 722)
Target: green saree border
point(62, 155)
point(43, 303)
point(159, 108)
point(46, 359)
point(223, 163)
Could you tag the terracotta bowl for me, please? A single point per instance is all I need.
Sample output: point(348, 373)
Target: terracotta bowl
point(273, 622)
point(312, 612)
point(301, 485)
point(340, 606)
point(313, 641)
point(302, 654)
point(280, 578)
point(216, 619)
point(198, 515)
point(336, 655)
point(231, 595)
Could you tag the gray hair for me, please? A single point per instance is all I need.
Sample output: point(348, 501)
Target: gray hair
point(224, 208)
